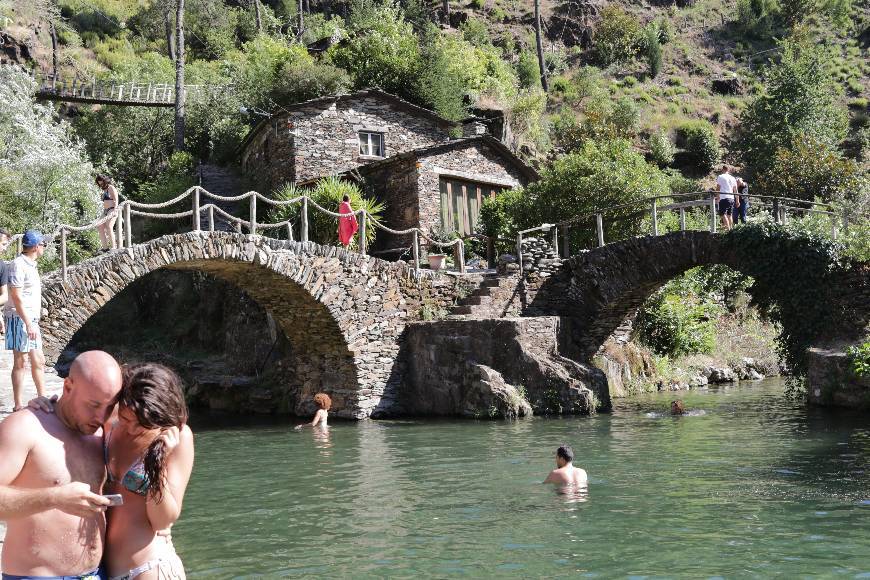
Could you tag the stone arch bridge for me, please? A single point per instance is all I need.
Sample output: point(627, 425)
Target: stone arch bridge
point(342, 312)
point(349, 317)
point(598, 290)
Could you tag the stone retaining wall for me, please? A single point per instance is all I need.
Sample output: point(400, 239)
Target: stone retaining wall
point(461, 367)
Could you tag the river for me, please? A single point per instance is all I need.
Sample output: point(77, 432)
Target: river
point(755, 486)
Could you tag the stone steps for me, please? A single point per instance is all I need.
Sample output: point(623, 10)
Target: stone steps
point(488, 300)
point(226, 182)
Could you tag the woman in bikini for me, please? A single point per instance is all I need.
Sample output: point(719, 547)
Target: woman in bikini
point(110, 203)
point(149, 456)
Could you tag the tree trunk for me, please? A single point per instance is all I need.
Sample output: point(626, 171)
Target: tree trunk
point(540, 46)
point(179, 77)
point(301, 20)
point(257, 14)
point(447, 12)
point(167, 24)
point(53, 31)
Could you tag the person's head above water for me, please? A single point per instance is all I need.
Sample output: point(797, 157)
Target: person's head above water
point(90, 391)
point(677, 407)
point(564, 455)
point(323, 401)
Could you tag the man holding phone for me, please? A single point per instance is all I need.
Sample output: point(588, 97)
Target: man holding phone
point(51, 471)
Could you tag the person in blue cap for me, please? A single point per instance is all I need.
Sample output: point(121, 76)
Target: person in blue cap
point(21, 314)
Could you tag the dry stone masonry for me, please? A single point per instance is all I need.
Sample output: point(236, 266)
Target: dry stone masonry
point(343, 313)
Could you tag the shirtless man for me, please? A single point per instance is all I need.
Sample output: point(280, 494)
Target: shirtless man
point(51, 470)
point(565, 472)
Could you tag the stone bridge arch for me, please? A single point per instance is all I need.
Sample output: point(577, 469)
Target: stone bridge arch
point(597, 290)
point(344, 313)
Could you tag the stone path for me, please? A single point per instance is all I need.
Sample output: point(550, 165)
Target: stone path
point(53, 385)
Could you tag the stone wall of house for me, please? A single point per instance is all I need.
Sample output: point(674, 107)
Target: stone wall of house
point(474, 161)
point(326, 141)
point(395, 185)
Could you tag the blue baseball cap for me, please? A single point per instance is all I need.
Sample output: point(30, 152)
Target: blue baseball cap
point(32, 238)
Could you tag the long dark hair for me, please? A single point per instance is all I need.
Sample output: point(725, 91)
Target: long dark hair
point(153, 392)
point(107, 181)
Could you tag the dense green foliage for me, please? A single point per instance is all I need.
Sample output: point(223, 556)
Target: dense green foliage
point(798, 103)
point(616, 37)
point(45, 176)
point(701, 145)
point(798, 299)
point(661, 148)
point(859, 359)
point(597, 175)
point(327, 193)
point(675, 324)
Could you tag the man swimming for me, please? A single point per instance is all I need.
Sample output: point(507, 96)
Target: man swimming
point(565, 472)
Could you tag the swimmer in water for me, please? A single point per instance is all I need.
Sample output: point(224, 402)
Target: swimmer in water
point(324, 402)
point(565, 472)
point(677, 408)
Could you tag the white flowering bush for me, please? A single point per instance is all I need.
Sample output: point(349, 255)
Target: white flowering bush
point(45, 176)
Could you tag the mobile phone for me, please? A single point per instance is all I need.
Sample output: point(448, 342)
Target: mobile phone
point(114, 499)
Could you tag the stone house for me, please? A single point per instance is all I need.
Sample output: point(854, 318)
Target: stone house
point(407, 156)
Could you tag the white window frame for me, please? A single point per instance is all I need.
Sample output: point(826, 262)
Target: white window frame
point(366, 144)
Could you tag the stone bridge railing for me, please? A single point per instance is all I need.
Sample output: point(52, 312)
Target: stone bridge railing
point(695, 204)
point(210, 212)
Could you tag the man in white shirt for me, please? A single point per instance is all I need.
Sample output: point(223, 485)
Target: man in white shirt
point(726, 186)
point(22, 312)
point(5, 239)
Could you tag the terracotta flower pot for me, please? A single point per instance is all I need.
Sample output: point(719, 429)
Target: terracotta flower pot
point(436, 261)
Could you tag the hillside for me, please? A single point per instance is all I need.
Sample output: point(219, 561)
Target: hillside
point(712, 55)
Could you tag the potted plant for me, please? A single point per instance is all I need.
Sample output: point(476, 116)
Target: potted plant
point(437, 257)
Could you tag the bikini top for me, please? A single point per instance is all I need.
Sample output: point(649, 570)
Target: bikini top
point(135, 479)
point(106, 195)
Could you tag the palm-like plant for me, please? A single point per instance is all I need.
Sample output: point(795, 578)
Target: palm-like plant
point(327, 193)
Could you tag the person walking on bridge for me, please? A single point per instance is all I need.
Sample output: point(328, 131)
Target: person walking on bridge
point(110, 206)
point(22, 312)
point(726, 187)
point(347, 226)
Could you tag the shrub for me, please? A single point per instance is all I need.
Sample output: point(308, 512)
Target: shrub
point(597, 175)
point(476, 32)
point(859, 359)
point(382, 51)
point(677, 324)
point(615, 39)
point(327, 193)
point(810, 169)
point(528, 71)
point(653, 52)
point(661, 148)
point(701, 144)
point(755, 17)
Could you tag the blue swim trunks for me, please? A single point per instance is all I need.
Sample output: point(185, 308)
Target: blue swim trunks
point(16, 335)
point(94, 575)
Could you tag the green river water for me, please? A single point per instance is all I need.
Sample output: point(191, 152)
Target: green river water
point(756, 487)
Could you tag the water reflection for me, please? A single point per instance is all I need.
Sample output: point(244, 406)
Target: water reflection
point(572, 494)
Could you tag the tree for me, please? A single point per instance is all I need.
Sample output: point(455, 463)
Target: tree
point(383, 51)
point(598, 175)
point(45, 176)
point(810, 169)
point(179, 76)
point(540, 47)
point(798, 101)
